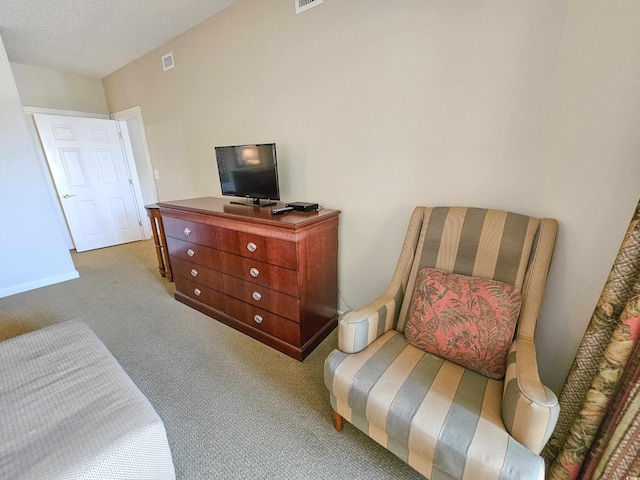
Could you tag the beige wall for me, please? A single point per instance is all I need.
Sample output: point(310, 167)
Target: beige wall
point(379, 106)
point(46, 88)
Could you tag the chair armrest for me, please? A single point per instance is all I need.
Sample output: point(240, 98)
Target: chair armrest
point(529, 409)
point(359, 328)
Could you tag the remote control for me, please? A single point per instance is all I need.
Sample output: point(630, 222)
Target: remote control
point(278, 211)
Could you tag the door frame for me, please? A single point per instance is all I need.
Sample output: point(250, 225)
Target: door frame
point(135, 113)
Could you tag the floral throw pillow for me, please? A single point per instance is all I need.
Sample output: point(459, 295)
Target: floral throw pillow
point(469, 321)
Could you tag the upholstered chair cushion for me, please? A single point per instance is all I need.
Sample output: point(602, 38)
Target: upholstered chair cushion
point(440, 418)
point(469, 321)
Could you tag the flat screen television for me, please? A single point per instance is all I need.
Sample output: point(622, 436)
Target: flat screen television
point(249, 171)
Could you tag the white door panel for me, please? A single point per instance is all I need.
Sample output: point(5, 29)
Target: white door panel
point(92, 179)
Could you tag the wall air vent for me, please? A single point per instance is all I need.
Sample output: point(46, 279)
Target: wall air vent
point(303, 5)
point(167, 61)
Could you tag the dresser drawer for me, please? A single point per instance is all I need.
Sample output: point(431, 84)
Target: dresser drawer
point(190, 231)
point(265, 249)
point(193, 252)
point(276, 278)
point(262, 297)
point(260, 319)
point(200, 293)
point(197, 273)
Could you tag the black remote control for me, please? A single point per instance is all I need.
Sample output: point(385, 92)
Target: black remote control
point(278, 211)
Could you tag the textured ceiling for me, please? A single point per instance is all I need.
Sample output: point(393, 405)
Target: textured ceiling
point(95, 37)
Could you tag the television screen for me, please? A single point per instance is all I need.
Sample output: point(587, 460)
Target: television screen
point(249, 171)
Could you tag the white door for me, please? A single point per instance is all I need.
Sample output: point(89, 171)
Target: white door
point(92, 179)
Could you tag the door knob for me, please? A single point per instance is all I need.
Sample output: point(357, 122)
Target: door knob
point(66, 195)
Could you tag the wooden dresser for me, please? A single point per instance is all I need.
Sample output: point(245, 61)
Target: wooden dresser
point(272, 277)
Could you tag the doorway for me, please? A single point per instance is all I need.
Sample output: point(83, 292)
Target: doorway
point(141, 196)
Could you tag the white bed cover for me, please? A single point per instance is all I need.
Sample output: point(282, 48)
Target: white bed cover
point(69, 411)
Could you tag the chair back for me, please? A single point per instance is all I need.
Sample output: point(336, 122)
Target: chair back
point(477, 242)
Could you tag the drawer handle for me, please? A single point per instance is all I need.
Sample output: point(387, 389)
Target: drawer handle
point(187, 231)
point(251, 247)
point(197, 291)
point(256, 296)
point(254, 272)
point(257, 318)
point(194, 272)
point(191, 253)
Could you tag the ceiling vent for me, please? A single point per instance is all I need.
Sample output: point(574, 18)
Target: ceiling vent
point(303, 5)
point(167, 61)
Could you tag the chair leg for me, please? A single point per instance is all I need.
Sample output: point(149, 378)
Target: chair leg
point(338, 421)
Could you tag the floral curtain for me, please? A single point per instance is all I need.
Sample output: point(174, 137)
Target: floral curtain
point(598, 432)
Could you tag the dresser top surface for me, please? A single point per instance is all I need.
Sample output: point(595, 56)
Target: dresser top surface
point(224, 208)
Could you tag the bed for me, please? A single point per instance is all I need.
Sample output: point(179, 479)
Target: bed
point(69, 411)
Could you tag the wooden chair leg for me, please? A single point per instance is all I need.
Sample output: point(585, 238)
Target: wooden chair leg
point(338, 421)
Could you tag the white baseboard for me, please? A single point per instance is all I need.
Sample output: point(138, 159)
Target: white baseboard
point(43, 282)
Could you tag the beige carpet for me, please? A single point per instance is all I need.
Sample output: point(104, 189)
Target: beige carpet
point(233, 408)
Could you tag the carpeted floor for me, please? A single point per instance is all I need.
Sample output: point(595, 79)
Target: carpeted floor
point(233, 408)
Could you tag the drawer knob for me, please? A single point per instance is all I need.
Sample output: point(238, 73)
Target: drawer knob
point(197, 291)
point(254, 272)
point(191, 253)
point(194, 272)
point(257, 318)
point(256, 296)
point(187, 231)
point(251, 247)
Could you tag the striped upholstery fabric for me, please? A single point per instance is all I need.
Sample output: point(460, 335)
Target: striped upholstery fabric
point(529, 414)
point(439, 417)
point(529, 409)
point(445, 421)
point(491, 244)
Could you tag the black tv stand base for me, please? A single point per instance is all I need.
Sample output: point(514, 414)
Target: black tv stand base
point(255, 202)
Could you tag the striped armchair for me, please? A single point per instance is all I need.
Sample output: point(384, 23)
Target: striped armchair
point(442, 419)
